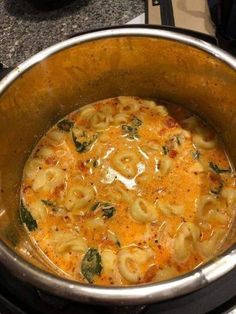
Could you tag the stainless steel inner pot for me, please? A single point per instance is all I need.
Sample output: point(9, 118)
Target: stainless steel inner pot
point(139, 61)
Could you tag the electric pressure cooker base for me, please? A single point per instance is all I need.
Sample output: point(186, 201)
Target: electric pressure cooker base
point(18, 297)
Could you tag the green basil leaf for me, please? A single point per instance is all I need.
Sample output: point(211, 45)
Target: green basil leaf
point(216, 191)
point(118, 243)
point(196, 154)
point(82, 146)
point(48, 202)
point(27, 218)
point(177, 139)
point(91, 264)
point(136, 122)
point(165, 150)
point(216, 169)
point(65, 125)
point(108, 210)
point(95, 206)
point(132, 130)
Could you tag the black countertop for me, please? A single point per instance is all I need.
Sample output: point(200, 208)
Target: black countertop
point(24, 30)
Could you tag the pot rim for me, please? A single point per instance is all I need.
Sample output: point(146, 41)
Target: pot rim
point(140, 294)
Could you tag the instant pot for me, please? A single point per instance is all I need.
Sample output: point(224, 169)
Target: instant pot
point(147, 61)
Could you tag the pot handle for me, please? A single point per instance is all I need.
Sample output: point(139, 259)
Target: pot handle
point(4, 71)
point(161, 11)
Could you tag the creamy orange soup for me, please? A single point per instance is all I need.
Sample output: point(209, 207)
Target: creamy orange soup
point(128, 191)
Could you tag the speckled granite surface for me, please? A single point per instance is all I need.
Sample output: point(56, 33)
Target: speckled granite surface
point(24, 30)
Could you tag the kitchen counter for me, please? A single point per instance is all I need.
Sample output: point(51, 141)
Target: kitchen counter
point(24, 30)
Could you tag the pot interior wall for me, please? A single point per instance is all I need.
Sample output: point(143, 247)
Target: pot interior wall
point(84, 73)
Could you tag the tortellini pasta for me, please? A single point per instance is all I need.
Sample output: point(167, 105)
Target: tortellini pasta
point(143, 211)
point(209, 248)
point(202, 137)
point(197, 167)
point(46, 152)
point(165, 166)
point(32, 167)
point(170, 209)
point(100, 121)
point(130, 261)
point(110, 269)
point(161, 110)
point(128, 105)
point(87, 112)
point(121, 118)
point(117, 193)
point(109, 261)
point(185, 241)
point(95, 223)
point(66, 242)
point(201, 142)
point(39, 210)
point(190, 123)
point(79, 197)
point(208, 209)
point(165, 273)
point(48, 179)
point(126, 162)
point(152, 145)
point(56, 138)
point(230, 195)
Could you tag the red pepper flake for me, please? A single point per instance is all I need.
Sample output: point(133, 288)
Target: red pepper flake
point(214, 177)
point(82, 167)
point(150, 273)
point(58, 189)
point(172, 153)
point(107, 242)
point(179, 269)
point(27, 187)
point(170, 123)
point(162, 131)
point(51, 160)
